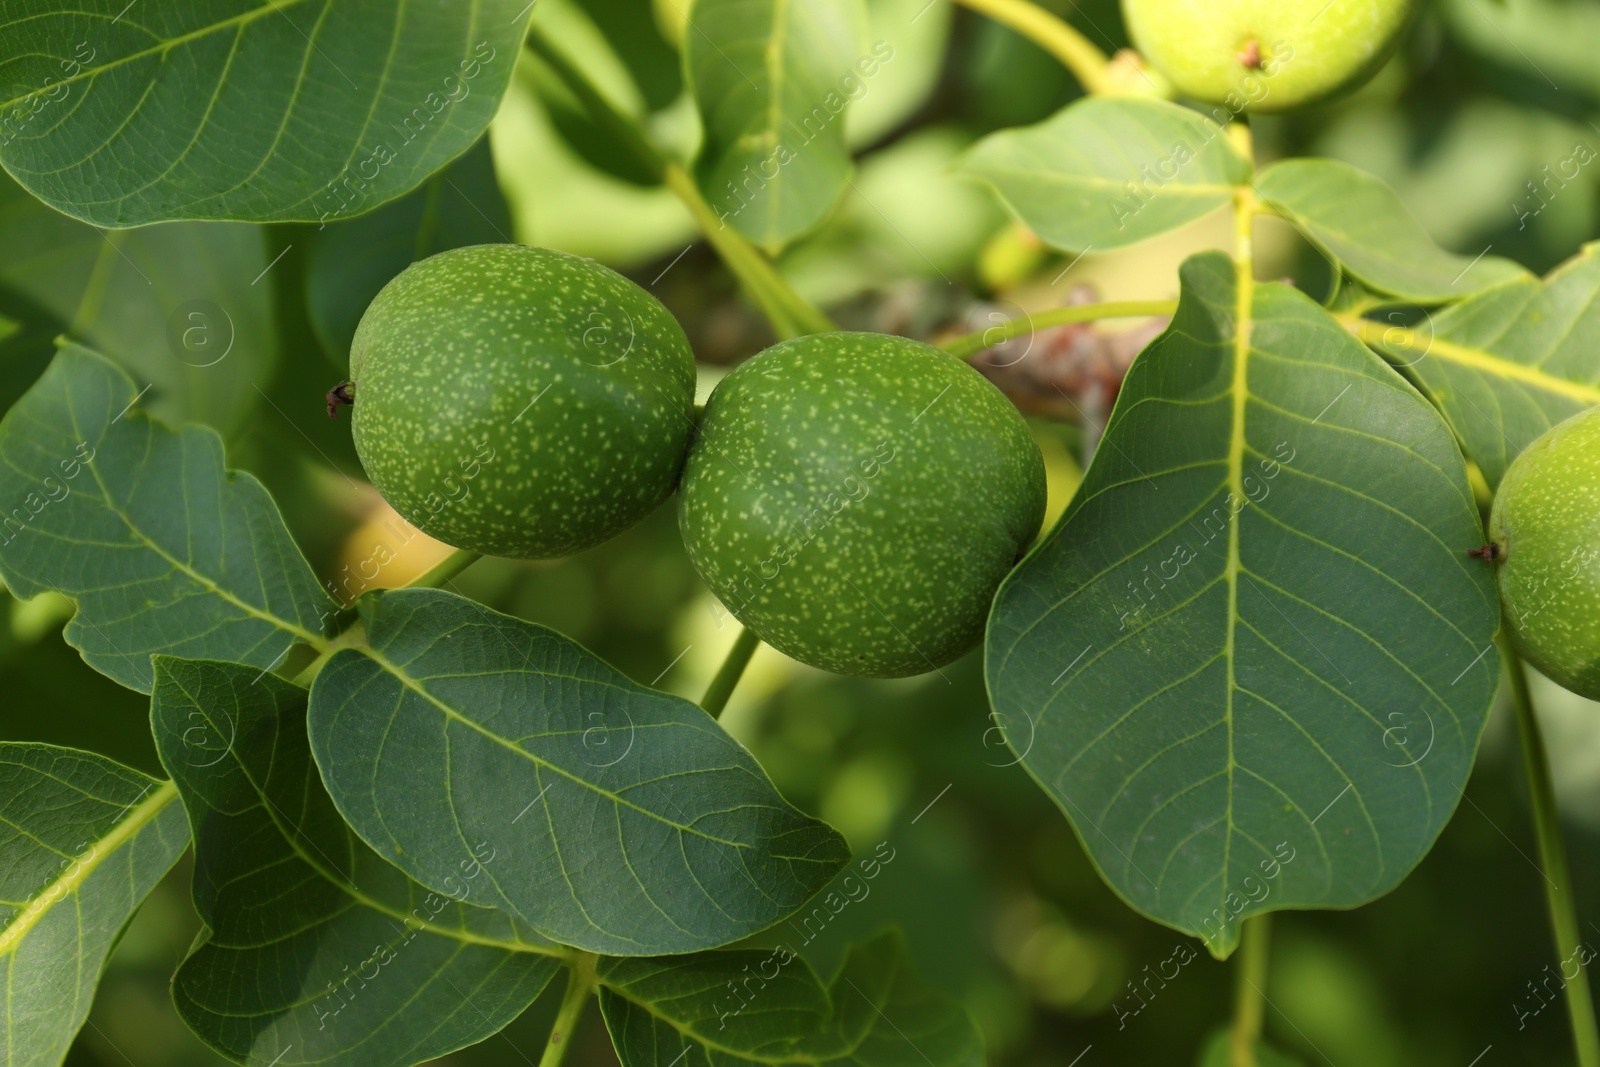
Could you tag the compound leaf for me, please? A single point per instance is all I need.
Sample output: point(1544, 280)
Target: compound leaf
point(1359, 223)
point(1253, 661)
point(257, 110)
point(1512, 361)
point(161, 547)
point(626, 820)
point(185, 308)
point(316, 951)
point(348, 262)
point(772, 80)
point(1106, 172)
point(83, 840)
point(724, 1009)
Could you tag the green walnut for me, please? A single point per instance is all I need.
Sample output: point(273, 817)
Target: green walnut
point(856, 498)
point(520, 402)
point(1266, 55)
point(1545, 530)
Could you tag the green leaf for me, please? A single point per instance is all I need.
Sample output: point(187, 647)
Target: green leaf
point(1510, 362)
point(591, 141)
point(626, 820)
point(1105, 172)
point(640, 49)
point(83, 840)
point(912, 42)
point(315, 950)
point(772, 80)
point(1253, 661)
point(160, 547)
point(257, 110)
point(185, 308)
point(722, 1009)
point(1359, 223)
point(585, 46)
point(348, 262)
point(1218, 1052)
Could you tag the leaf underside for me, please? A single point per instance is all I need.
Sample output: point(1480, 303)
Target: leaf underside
point(257, 110)
point(1252, 662)
point(315, 950)
point(84, 840)
point(770, 80)
point(185, 308)
point(1512, 361)
point(1105, 172)
point(161, 547)
point(724, 1009)
point(624, 820)
point(1359, 223)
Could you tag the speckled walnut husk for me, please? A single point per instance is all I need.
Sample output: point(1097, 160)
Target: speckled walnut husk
point(1546, 527)
point(520, 402)
point(856, 498)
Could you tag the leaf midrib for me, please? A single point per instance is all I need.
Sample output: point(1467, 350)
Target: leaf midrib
point(314, 640)
point(1244, 293)
point(776, 44)
point(1499, 366)
point(416, 687)
point(57, 890)
point(241, 19)
point(1173, 189)
point(347, 886)
point(817, 1059)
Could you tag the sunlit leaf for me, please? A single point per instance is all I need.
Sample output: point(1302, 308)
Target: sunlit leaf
point(772, 80)
point(315, 950)
point(911, 41)
point(83, 840)
point(1512, 361)
point(244, 109)
point(723, 1009)
point(624, 819)
point(1360, 224)
point(1106, 171)
point(159, 545)
point(1253, 661)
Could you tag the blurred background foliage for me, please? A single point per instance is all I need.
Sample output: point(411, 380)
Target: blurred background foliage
point(1000, 903)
